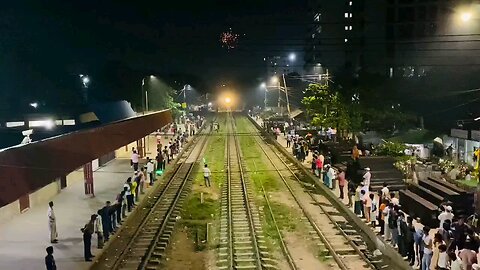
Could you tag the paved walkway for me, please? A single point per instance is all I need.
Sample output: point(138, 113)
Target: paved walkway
point(23, 239)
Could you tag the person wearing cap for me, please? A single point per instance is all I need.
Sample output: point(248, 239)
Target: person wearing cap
point(366, 177)
point(445, 215)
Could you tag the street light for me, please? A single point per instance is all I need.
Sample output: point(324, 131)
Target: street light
point(292, 57)
point(34, 104)
point(145, 107)
point(263, 86)
point(466, 16)
point(85, 81)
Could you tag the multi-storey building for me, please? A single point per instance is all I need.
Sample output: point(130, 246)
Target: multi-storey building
point(404, 38)
point(278, 65)
point(344, 36)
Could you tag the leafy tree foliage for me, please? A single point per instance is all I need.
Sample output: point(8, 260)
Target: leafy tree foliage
point(354, 109)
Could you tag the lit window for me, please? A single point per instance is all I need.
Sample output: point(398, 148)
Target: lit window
point(346, 14)
point(14, 124)
point(69, 122)
point(41, 123)
point(346, 40)
point(346, 27)
point(350, 15)
point(350, 27)
point(350, 3)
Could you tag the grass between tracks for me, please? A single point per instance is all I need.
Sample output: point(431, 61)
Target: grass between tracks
point(262, 174)
point(195, 214)
point(288, 218)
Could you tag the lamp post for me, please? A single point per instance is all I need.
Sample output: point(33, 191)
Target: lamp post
point(145, 101)
point(286, 94)
point(276, 80)
point(85, 81)
point(264, 87)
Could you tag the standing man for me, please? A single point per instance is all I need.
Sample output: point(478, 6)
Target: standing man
point(52, 224)
point(135, 158)
point(49, 260)
point(128, 193)
point(445, 215)
point(87, 231)
point(142, 180)
point(150, 171)
point(366, 178)
point(385, 192)
point(119, 205)
point(106, 221)
point(206, 175)
point(99, 230)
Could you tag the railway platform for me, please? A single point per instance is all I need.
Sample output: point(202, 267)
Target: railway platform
point(23, 239)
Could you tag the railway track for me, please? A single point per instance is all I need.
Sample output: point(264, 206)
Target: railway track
point(242, 245)
point(343, 242)
point(148, 241)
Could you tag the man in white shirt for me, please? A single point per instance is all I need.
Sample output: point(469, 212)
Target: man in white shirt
point(135, 158)
point(150, 169)
point(385, 191)
point(393, 199)
point(128, 193)
point(52, 224)
point(366, 177)
point(445, 215)
point(206, 175)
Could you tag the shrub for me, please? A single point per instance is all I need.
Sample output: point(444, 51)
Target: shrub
point(393, 149)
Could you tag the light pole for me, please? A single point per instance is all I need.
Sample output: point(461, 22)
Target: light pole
point(145, 101)
point(85, 81)
point(286, 94)
point(276, 80)
point(264, 87)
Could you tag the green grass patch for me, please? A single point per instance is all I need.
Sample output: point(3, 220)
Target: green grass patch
point(196, 215)
point(195, 210)
point(286, 219)
point(469, 183)
point(259, 171)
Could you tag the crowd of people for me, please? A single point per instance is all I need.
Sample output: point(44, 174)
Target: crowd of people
point(453, 245)
point(107, 220)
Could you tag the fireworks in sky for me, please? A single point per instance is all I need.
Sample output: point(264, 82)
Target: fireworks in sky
point(229, 39)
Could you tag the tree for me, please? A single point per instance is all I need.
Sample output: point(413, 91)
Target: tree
point(325, 107)
point(160, 96)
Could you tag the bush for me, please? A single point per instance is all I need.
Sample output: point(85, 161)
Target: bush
point(393, 149)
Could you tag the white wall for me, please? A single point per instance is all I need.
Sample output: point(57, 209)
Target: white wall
point(9, 211)
point(45, 194)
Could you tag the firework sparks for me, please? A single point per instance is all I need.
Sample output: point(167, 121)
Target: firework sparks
point(229, 39)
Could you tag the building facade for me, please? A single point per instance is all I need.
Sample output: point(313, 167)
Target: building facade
point(398, 38)
point(344, 36)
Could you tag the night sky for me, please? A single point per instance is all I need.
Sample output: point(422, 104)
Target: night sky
point(44, 45)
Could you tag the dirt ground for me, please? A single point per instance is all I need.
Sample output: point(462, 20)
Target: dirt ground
point(302, 253)
point(181, 254)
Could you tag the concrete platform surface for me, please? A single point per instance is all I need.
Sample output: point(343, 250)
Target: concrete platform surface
point(23, 239)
